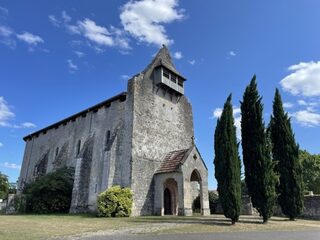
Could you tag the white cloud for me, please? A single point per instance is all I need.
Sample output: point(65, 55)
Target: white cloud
point(125, 77)
point(98, 35)
point(55, 22)
point(66, 18)
point(28, 125)
point(30, 38)
point(79, 54)
point(145, 19)
point(237, 118)
point(232, 54)
point(217, 112)
point(73, 29)
point(72, 66)
point(5, 113)
point(6, 116)
point(5, 31)
point(10, 165)
point(302, 103)
point(1, 144)
point(177, 55)
point(6, 36)
point(288, 105)
point(120, 38)
point(307, 118)
point(95, 33)
point(192, 62)
point(304, 79)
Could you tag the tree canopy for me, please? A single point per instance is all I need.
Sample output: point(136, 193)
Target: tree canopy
point(4, 186)
point(310, 171)
point(50, 193)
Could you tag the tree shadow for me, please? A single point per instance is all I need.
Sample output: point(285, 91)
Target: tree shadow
point(185, 220)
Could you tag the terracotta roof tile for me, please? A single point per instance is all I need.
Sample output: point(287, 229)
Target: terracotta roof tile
point(172, 161)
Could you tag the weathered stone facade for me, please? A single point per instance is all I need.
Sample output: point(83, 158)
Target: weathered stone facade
point(123, 141)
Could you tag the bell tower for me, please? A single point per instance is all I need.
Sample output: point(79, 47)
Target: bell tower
point(162, 123)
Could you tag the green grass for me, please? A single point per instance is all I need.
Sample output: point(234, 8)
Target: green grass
point(45, 226)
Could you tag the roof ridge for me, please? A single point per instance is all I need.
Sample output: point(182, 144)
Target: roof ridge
point(92, 108)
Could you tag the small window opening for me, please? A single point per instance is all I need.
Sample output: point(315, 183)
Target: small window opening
point(107, 138)
point(95, 188)
point(78, 146)
point(173, 78)
point(57, 151)
point(166, 73)
point(180, 82)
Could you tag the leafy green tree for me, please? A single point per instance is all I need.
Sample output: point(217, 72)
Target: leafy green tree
point(285, 152)
point(310, 171)
point(115, 202)
point(4, 186)
point(227, 163)
point(50, 193)
point(260, 176)
point(213, 201)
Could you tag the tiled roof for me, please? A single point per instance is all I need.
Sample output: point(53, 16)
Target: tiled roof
point(172, 161)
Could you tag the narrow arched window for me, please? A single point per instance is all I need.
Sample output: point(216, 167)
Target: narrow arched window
point(57, 151)
point(78, 147)
point(107, 138)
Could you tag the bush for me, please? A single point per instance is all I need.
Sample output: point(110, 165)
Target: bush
point(51, 193)
point(115, 202)
point(20, 203)
point(213, 201)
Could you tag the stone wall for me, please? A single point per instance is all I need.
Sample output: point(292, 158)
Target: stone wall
point(311, 207)
point(194, 165)
point(162, 122)
point(246, 208)
point(3, 205)
point(64, 144)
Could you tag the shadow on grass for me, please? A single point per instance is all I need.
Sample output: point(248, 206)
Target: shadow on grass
point(218, 221)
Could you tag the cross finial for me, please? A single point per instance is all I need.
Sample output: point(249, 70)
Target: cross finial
point(192, 139)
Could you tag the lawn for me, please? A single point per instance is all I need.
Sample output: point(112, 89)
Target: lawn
point(49, 226)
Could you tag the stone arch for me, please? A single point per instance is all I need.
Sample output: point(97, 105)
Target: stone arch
point(170, 197)
point(196, 192)
point(195, 176)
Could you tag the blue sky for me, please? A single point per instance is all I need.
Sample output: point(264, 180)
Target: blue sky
point(59, 57)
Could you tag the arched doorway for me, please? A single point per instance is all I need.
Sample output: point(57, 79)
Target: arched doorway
point(196, 192)
point(170, 197)
point(167, 202)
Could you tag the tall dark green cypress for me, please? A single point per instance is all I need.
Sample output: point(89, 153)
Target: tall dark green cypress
point(260, 176)
point(286, 153)
point(227, 163)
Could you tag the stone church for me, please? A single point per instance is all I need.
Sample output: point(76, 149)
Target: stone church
point(142, 139)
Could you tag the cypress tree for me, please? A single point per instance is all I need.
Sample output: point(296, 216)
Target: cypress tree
point(285, 152)
point(227, 163)
point(260, 176)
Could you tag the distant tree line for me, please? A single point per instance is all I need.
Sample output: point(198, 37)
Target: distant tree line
point(271, 158)
point(4, 186)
